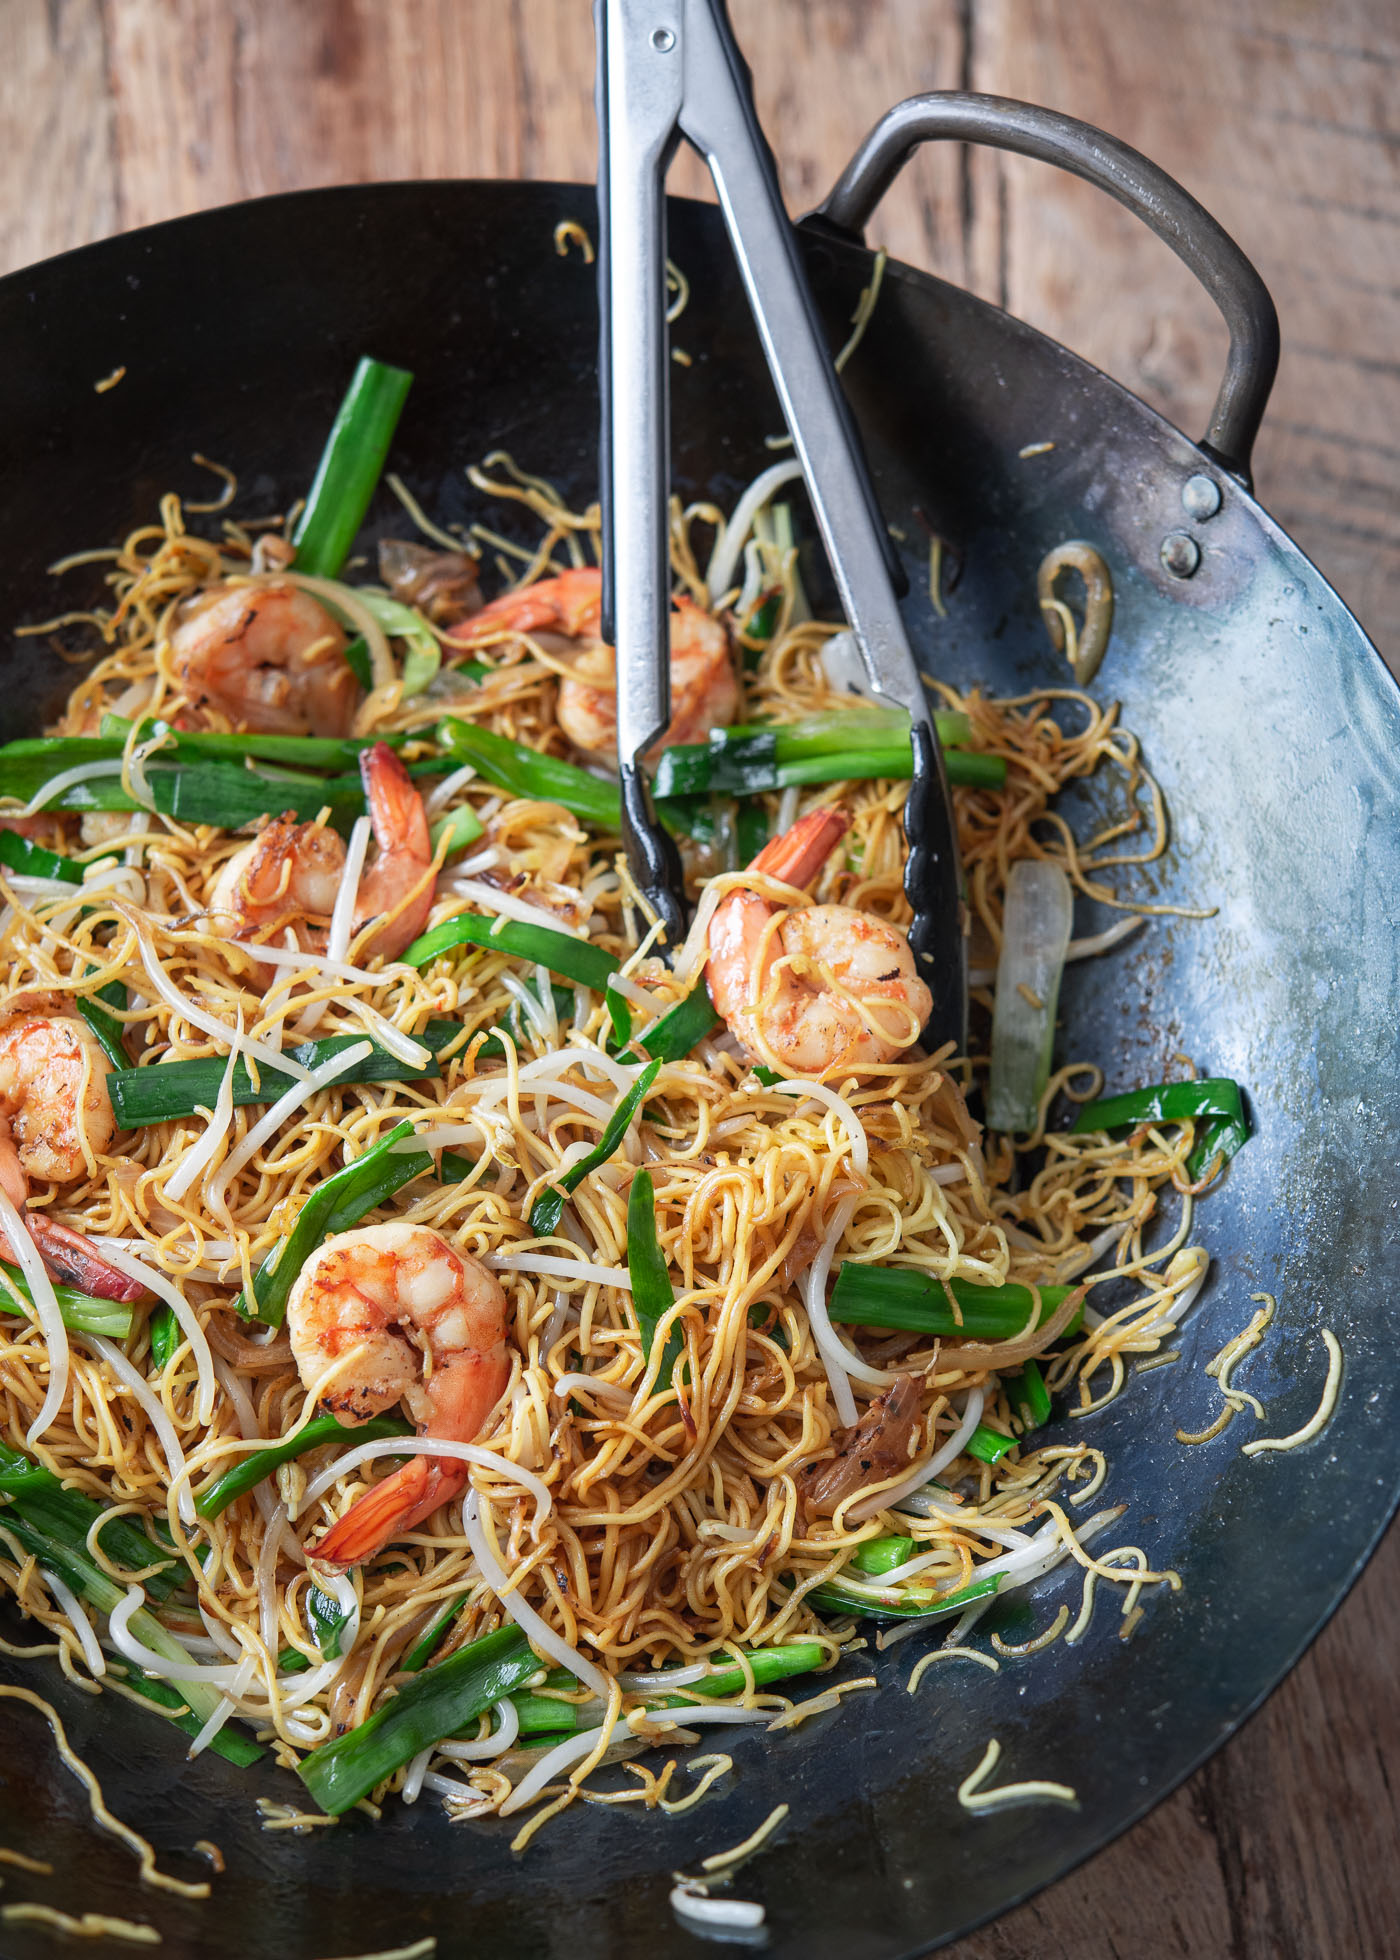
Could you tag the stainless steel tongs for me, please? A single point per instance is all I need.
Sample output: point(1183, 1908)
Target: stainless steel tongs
point(667, 69)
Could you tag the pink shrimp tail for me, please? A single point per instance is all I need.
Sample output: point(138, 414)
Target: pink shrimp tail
point(76, 1261)
point(414, 1491)
point(799, 854)
point(395, 807)
point(571, 603)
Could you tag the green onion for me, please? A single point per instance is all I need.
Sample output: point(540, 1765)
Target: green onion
point(166, 1336)
point(34, 861)
point(66, 1515)
point(334, 752)
point(422, 654)
point(231, 1744)
point(106, 1027)
point(681, 1026)
point(349, 468)
point(237, 1482)
point(460, 827)
point(337, 1203)
point(548, 1208)
point(1030, 1398)
point(328, 1621)
point(541, 1713)
point(291, 1660)
point(900, 1602)
point(511, 766)
point(1216, 1097)
point(572, 959)
point(988, 1445)
point(915, 1303)
point(163, 1092)
point(434, 1704)
point(358, 661)
point(879, 1555)
point(83, 1313)
point(420, 1655)
point(652, 1293)
point(454, 1168)
point(751, 759)
point(751, 832)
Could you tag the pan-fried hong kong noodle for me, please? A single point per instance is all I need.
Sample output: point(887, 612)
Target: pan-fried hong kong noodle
point(453, 1341)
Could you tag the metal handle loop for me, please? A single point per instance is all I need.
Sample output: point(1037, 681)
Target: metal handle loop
point(1148, 192)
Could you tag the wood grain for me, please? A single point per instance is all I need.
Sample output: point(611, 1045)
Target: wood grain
point(1284, 119)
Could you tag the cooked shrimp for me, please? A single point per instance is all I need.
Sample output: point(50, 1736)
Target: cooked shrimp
point(55, 1114)
point(291, 873)
point(704, 692)
point(267, 657)
point(394, 1313)
point(820, 988)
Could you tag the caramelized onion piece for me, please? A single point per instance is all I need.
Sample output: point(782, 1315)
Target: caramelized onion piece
point(877, 1448)
point(442, 584)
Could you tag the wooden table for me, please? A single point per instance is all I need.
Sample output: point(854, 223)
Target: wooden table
point(1284, 119)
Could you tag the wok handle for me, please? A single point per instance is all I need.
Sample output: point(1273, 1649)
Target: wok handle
point(1148, 192)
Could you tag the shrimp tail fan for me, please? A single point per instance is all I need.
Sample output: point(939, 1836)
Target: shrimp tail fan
point(414, 1491)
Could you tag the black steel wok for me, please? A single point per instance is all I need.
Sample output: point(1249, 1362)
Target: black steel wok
point(1276, 734)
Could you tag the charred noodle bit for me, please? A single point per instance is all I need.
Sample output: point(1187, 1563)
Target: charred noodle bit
point(1317, 1422)
point(972, 1797)
point(92, 1925)
point(675, 1538)
point(145, 1853)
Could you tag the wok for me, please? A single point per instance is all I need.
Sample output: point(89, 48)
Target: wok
point(1275, 732)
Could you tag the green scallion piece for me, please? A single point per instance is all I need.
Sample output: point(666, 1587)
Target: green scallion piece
point(303, 752)
point(166, 1091)
point(915, 1303)
point(988, 1445)
point(328, 1620)
point(681, 1026)
point(33, 861)
point(548, 1208)
point(237, 1482)
point(67, 1517)
point(83, 1313)
point(232, 1744)
point(423, 1652)
point(572, 959)
point(433, 1705)
point(879, 1555)
point(358, 661)
point(652, 1293)
point(900, 1602)
point(109, 1031)
point(524, 772)
point(166, 1336)
point(751, 759)
point(1030, 1398)
point(349, 469)
point(1162, 1102)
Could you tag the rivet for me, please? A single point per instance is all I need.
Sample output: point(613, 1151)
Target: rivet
point(1200, 497)
point(663, 40)
point(1180, 554)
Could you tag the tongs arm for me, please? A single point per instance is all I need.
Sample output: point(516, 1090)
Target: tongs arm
point(639, 97)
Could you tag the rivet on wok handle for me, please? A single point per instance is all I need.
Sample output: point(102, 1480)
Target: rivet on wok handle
point(1125, 174)
point(1180, 554)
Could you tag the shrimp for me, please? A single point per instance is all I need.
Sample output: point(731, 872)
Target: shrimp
point(290, 875)
point(394, 1313)
point(267, 657)
point(54, 1114)
point(819, 989)
point(704, 692)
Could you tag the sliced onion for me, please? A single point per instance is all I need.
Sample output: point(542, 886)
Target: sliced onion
point(942, 1457)
point(1036, 923)
point(1006, 1354)
point(724, 559)
point(541, 1636)
point(46, 1311)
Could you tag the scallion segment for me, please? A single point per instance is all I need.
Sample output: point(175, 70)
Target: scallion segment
point(548, 1208)
point(1216, 1098)
point(433, 1705)
point(572, 959)
point(337, 1203)
point(237, 1482)
point(652, 1293)
point(95, 1010)
point(879, 1555)
point(989, 1445)
point(524, 772)
point(83, 1313)
point(681, 1026)
point(1030, 1398)
point(164, 1092)
point(67, 1517)
point(915, 1303)
point(422, 1652)
point(899, 1602)
point(230, 1743)
point(349, 467)
point(166, 1336)
point(33, 861)
point(333, 752)
point(752, 759)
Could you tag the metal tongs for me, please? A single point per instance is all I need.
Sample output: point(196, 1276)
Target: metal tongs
point(667, 69)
